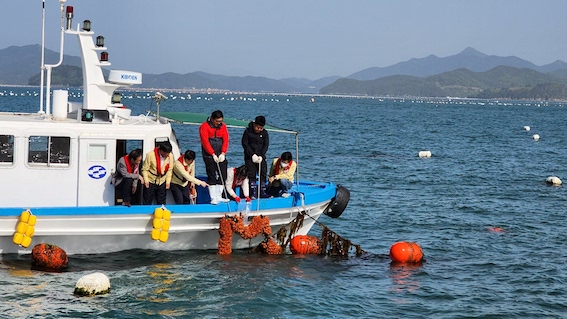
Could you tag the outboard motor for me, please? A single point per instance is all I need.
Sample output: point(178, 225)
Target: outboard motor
point(338, 203)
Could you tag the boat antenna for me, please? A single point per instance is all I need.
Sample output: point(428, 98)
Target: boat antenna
point(49, 67)
point(42, 57)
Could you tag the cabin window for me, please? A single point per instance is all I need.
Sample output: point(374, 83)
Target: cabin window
point(6, 148)
point(160, 140)
point(124, 147)
point(50, 150)
point(97, 152)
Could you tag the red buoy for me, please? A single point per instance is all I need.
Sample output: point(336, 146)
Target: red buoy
point(304, 244)
point(46, 256)
point(406, 252)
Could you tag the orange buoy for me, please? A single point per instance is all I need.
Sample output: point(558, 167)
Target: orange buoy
point(495, 229)
point(406, 252)
point(304, 244)
point(46, 256)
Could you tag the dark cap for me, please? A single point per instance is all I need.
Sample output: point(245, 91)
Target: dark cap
point(260, 120)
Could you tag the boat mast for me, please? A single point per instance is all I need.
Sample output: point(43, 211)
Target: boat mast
point(49, 67)
point(42, 67)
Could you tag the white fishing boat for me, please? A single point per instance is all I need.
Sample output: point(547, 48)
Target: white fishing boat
point(57, 165)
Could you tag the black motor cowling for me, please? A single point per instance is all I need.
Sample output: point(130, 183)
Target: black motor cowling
point(338, 203)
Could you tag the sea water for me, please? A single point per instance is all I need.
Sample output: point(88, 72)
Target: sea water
point(492, 231)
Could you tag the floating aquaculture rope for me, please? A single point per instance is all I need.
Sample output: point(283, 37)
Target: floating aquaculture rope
point(332, 244)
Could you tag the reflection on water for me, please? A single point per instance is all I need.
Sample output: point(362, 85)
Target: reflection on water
point(403, 276)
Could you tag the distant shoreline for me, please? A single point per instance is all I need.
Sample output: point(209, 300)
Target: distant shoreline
point(314, 95)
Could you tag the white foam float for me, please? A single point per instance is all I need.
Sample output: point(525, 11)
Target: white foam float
point(553, 180)
point(527, 128)
point(93, 284)
point(536, 137)
point(424, 154)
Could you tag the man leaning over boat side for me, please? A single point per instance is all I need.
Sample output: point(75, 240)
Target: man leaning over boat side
point(214, 145)
point(183, 181)
point(157, 172)
point(127, 176)
point(237, 176)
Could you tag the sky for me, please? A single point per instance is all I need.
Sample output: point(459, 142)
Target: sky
point(294, 38)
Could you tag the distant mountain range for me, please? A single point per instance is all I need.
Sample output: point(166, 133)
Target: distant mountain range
point(498, 82)
point(466, 74)
point(469, 58)
point(19, 64)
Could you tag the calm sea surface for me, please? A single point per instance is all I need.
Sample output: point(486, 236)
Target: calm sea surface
point(486, 172)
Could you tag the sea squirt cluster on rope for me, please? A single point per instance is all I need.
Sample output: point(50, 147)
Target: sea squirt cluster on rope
point(234, 224)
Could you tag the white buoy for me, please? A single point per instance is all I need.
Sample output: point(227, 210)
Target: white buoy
point(553, 180)
point(424, 154)
point(93, 284)
point(527, 128)
point(536, 137)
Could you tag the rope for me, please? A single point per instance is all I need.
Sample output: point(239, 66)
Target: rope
point(339, 245)
point(259, 185)
point(223, 186)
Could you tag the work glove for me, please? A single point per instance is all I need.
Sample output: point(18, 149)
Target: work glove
point(237, 199)
point(256, 159)
point(221, 158)
point(215, 158)
point(248, 199)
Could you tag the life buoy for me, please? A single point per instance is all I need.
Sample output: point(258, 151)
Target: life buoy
point(338, 203)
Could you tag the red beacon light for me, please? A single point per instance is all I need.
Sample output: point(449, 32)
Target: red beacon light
point(104, 56)
point(69, 14)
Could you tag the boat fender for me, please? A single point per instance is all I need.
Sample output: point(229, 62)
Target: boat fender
point(24, 229)
point(161, 224)
point(338, 203)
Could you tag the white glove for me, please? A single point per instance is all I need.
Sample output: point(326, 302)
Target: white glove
point(255, 158)
point(259, 160)
point(215, 158)
point(221, 158)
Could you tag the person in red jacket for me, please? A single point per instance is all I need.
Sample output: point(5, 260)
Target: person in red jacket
point(214, 145)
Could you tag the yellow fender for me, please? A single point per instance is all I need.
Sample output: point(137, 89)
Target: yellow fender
point(161, 224)
point(25, 229)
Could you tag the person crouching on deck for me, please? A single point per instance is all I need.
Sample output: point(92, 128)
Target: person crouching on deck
point(157, 172)
point(183, 181)
point(237, 176)
point(127, 176)
point(281, 175)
